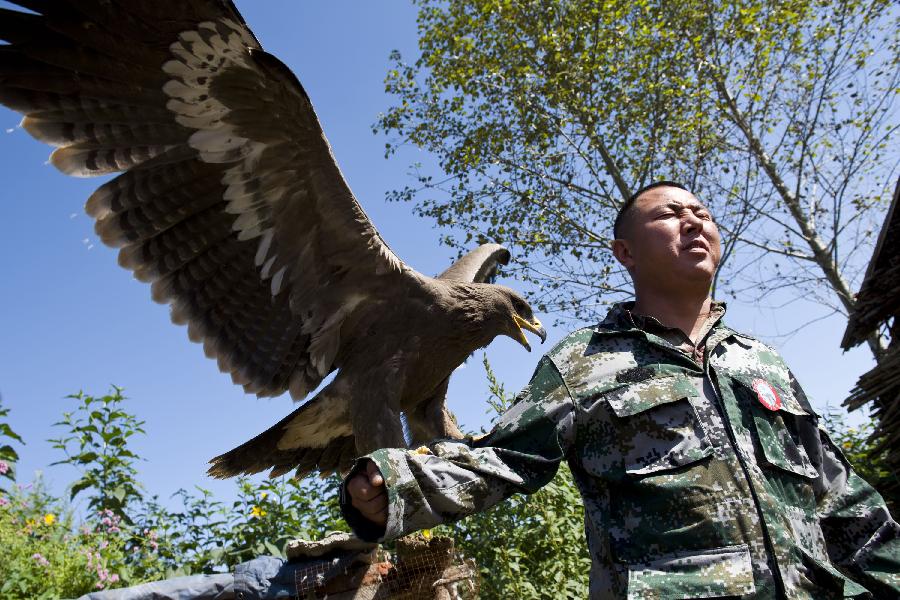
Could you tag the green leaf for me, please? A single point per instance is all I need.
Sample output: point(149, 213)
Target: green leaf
point(273, 549)
point(8, 453)
point(8, 432)
point(78, 486)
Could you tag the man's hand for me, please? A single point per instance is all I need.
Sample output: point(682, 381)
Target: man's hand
point(367, 494)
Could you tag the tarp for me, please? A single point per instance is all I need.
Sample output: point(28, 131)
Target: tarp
point(263, 578)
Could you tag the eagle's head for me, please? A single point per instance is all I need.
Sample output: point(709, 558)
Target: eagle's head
point(516, 316)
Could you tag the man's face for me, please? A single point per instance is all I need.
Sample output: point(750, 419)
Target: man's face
point(669, 238)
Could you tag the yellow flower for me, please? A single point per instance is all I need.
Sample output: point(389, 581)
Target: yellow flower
point(426, 533)
point(49, 519)
point(847, 445)
point(263, 495)
point(30, 523)
point(257, 512)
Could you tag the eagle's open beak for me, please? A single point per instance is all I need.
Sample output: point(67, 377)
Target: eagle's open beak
point(534, 326)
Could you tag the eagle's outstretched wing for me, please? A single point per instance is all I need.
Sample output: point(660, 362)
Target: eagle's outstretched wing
point(231, 203)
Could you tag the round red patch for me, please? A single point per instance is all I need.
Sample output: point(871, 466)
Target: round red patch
point(767, 395)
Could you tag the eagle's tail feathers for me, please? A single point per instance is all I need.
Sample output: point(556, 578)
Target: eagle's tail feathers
point(315, 437)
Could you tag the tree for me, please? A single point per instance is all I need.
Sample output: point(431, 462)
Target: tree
point(544, 116)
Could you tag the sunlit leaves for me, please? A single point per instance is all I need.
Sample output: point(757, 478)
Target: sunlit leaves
point(544, 115)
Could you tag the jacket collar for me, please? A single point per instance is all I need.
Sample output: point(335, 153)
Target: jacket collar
point(620, 318)
point(620, 321)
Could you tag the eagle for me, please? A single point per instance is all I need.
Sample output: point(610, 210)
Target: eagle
point(230, 203)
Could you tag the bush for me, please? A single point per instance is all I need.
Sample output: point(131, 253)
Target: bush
point(45, 556)
point(206, 535)
point(529, 546)
point(126, 538)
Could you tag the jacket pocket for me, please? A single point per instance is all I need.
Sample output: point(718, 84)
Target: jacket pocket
point(659, 428)
point(778, 428)
point(724, 572)
point(780, 448)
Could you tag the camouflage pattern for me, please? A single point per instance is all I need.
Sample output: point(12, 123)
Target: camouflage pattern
point(692, 487)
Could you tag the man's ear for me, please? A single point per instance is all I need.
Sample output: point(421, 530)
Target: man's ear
point(623, 253)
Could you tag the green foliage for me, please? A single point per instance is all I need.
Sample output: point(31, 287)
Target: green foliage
point(206, 535)
point(126, 538)
point(47, 554)
point(544, 116)
point(97, 444)
point(43, 556)
point(281, 510)
point(185, 541)
point(8, 454)
point(528, 546)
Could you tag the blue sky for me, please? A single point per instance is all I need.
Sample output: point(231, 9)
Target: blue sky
point(71, 319)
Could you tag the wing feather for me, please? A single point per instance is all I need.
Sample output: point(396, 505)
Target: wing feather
point(231, 203)
point(479, 265)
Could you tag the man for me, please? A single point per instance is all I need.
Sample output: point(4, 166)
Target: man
point(702, 466)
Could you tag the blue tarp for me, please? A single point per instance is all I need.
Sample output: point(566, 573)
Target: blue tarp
point(263, 578)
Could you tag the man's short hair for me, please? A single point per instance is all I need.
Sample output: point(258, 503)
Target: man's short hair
point(620, 217)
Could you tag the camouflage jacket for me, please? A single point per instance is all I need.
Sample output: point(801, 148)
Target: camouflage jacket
point(699, 480)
